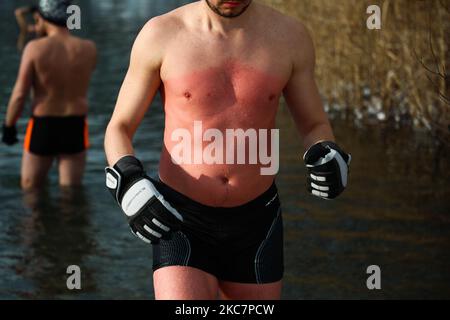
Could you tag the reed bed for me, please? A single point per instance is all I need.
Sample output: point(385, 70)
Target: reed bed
point(398, 73)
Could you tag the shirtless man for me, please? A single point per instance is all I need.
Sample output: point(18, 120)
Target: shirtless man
point(216, 229)
point(58, 69)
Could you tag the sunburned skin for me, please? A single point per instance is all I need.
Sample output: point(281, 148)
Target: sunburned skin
point(231, 95)
point(213, 91)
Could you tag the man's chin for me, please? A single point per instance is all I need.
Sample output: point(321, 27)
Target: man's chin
point(229, 13)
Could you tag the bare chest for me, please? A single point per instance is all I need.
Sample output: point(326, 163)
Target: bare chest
point(217, 79)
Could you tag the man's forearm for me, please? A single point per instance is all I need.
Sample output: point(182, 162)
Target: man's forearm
point(317, 133)
point(15, 108)
point(20, 14)
point(117, 143)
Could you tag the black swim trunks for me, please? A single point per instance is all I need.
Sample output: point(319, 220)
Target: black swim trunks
point(50, 136)
point(243, 244)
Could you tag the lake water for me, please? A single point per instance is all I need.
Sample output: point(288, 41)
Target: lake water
point(395, 213)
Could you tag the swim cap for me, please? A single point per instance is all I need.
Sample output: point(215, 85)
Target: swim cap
point(54, 11)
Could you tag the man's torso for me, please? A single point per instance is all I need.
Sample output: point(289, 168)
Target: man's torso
point(230, 82)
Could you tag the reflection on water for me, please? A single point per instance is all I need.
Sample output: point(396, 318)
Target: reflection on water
point(395, 212)
point(54, 233)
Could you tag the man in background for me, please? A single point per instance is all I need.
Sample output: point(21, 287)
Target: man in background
point(57, 69)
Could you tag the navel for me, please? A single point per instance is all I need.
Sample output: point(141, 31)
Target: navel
point(188, 95)
point(224, 180)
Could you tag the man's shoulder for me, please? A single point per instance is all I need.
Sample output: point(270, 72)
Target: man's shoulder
point(166, 25)
point(37, 43)
point(35, 47)
point(83, 43)
point(291, 31)
point(292, 34)
point(88, 45)
point(284, 22)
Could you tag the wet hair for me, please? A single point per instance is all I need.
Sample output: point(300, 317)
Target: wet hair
point(54, 11)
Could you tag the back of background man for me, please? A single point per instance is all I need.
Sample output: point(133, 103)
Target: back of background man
point(63, 67)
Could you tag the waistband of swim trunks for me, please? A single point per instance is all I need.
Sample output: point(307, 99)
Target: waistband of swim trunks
point(57, 118)
point(177, 198)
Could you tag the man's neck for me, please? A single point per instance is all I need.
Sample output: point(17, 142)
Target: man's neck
point(52, 30)
point(215, 23)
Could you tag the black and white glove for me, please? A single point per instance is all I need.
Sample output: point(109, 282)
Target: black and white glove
point(150, 216)
point(328, 167)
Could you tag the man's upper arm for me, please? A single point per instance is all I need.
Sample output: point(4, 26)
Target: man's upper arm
point(20, 14)
point(301, 92)
point(142, 79)
point(25, 76)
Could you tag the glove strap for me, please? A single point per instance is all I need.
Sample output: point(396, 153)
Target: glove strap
point(321, 151)
point(131, 188)
point(127, 170)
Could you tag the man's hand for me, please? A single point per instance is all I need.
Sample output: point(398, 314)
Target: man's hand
point(9, 136)
point(24, 10)
point(150, 216)
point(328, 167)
point(21, 13)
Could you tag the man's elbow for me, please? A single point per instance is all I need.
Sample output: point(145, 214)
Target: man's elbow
point(114, 129)
point(110, 129)
point(19, 98)
point(18, 12)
